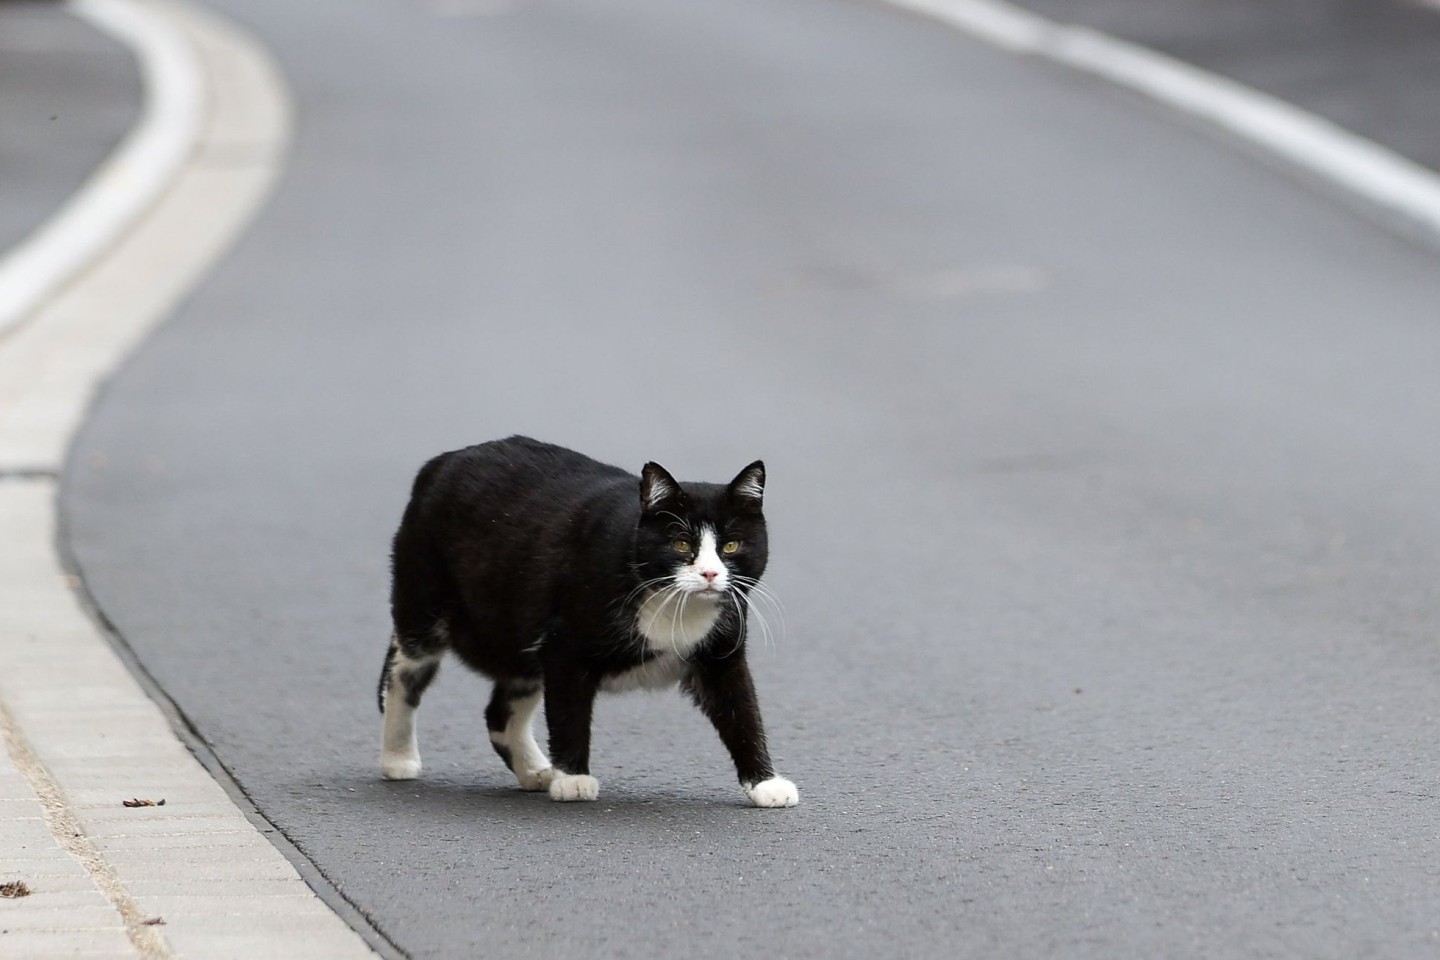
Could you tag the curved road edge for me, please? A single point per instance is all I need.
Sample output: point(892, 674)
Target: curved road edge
point(194, 876)
point(1398, 191)
point(1407, 195)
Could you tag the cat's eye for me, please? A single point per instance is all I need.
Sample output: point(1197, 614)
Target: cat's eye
point(730, 547)
point(681, 545)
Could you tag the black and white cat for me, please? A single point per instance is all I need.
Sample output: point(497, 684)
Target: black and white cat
point(558, 576)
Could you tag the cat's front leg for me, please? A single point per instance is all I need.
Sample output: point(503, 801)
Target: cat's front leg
point(569, 703)
point(723, 690)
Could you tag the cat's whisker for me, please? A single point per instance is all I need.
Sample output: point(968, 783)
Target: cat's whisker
point(643, 585)
point(676, 619)
point(641, 588)
point(755, 589)
point(772, 635)
point(744, 628)
point(660, 598)
point(766, 634)
point(742, 612)
point(769, 597)
point(763, 589)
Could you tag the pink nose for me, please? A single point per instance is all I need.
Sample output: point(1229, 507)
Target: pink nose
point(710, 575)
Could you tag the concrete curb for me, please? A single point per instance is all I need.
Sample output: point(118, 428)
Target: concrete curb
point(1399, 191)
point(194, 877)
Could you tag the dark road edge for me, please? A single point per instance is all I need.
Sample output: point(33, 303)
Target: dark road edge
point(348, 911)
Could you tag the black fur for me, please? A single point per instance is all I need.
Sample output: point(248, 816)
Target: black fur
point(527, 560)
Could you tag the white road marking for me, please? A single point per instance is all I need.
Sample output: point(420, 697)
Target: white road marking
point(131, 179)
point(1396, 186)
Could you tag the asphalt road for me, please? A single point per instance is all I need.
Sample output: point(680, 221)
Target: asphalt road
point(68, 93)
point(1102, 465)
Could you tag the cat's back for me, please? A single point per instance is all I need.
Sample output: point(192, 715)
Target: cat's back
point(514, 479)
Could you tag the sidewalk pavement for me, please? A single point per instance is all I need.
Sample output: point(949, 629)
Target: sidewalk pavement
point(115, 841)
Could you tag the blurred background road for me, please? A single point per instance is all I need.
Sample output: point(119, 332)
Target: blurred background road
point(1102, 484)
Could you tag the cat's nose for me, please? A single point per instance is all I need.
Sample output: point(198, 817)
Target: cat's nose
point(710, 574)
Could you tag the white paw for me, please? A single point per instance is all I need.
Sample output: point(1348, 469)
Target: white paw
point(775, 792)
point(400, 766)
point(535, 779)
point(574, 786)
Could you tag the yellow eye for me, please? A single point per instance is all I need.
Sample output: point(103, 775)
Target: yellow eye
point(681, 545)
point(730, 547)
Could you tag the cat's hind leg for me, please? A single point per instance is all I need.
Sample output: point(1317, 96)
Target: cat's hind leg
point(410, 666)
point(509, 717)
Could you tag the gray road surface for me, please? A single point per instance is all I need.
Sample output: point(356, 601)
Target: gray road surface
point(68, 93)
point(1102, 462)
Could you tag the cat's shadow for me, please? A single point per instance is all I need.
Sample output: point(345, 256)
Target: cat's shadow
point(440, 797)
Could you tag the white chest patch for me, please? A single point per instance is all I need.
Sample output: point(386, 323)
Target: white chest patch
point(659, 674)
point(674, 624)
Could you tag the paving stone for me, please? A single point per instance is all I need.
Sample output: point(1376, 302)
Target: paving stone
point(21, 915)
point(25, 944)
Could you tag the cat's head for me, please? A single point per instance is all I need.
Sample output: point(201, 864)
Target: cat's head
point(704, 539)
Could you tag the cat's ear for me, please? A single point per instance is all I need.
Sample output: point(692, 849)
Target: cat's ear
point(747, 490)
point(657, 487)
